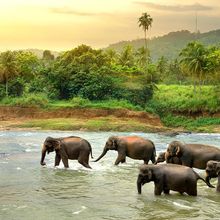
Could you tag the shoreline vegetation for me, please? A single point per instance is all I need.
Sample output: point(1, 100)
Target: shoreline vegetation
point(108, 90)
point(172, 109)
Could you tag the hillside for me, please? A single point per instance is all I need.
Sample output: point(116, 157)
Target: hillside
point(170, 45)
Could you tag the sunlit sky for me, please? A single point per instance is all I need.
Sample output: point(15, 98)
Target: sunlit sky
point(64, 24)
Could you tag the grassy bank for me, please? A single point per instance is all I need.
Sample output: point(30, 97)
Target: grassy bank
point(178, 107)
point(183, 99)
point(96, 124)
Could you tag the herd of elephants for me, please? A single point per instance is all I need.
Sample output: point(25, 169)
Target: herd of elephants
point(176, 174)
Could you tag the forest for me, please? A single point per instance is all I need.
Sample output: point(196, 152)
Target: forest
point(106, 78)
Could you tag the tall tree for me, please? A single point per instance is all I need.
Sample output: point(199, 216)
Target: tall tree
point(8, 67)
point(193, 59)
point(145, 21)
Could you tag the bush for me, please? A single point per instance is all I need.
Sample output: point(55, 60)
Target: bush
point(176, 98)
point(2, 91)
point(16, 87)
point(97, 87)
point(80, 102)
point(29, 100)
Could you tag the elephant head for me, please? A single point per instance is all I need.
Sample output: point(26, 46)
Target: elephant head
point(212, 169)
point(160, 158)
point(145, 176)
point(173, 149)
point(111, 144)
point(50, 145)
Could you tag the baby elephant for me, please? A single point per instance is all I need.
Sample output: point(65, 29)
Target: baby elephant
point(212, 171)
point(73, 148)
point(168, 177)
point(162, 157)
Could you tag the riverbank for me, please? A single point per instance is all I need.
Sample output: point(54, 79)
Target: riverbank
point(79, 119)
point(90, 119)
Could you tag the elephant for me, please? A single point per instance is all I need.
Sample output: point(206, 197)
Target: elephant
point(168, 177)
point(131, 146)
point(67, 148)
point(162, 157)
point(212, 171)
point(192, 155)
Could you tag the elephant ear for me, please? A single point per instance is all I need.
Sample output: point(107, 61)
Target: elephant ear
point(57, 144)
point(54, 142)
point(114, 140)
point(178, 151)
point(145, 171)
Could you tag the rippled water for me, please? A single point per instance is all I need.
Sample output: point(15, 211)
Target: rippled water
point(28, 190)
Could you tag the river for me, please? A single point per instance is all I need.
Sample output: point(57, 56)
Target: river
point(28, 190)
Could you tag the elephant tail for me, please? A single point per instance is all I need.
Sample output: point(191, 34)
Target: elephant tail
point(153, 156)
point(205, 181)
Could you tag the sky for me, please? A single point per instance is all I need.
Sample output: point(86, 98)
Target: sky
point(65, 24)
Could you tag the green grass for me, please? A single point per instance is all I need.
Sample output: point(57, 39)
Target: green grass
point(29, 100)
point(176, 98)
point(33, 100)
point(100, 124)
point(201, 124)
point(78, 102)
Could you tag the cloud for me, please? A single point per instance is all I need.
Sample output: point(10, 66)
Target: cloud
point(69, 11)
point(175, 8)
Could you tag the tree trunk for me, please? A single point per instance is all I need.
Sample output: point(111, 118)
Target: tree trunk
point(6, 88)
point(146, 56)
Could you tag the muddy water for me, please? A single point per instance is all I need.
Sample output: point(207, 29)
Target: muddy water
point(28, 190)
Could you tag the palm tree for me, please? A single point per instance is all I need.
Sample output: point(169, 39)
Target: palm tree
point(141, 57)
point(8, 68)
point(194, 61)
point(145, 21)
point(126, 57)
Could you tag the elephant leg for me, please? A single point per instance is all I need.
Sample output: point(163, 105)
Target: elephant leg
point(166, 191)
point(65, 162)
point(84, 160)
point(120, 158)
point(84, 164)
point(192, 189)
point(218, 184)
point(57, 160)
point(158, 188)
point(123, 161)
point(146, 161)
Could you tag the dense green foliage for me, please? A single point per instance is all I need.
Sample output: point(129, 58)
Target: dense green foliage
point(86, 77)
point(182, 99)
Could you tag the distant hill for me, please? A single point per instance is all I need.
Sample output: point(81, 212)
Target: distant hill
point(171, 44)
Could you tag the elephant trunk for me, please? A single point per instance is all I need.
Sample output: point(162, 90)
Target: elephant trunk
point(139, 183)
point(43, 156)
point(207, 181)
point(102, 155)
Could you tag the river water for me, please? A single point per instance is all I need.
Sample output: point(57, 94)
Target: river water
point(28, 190)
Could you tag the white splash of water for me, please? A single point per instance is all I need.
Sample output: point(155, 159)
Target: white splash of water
point(22, 207)
point(81, 210)
point(31, 150)
point(182, 206)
